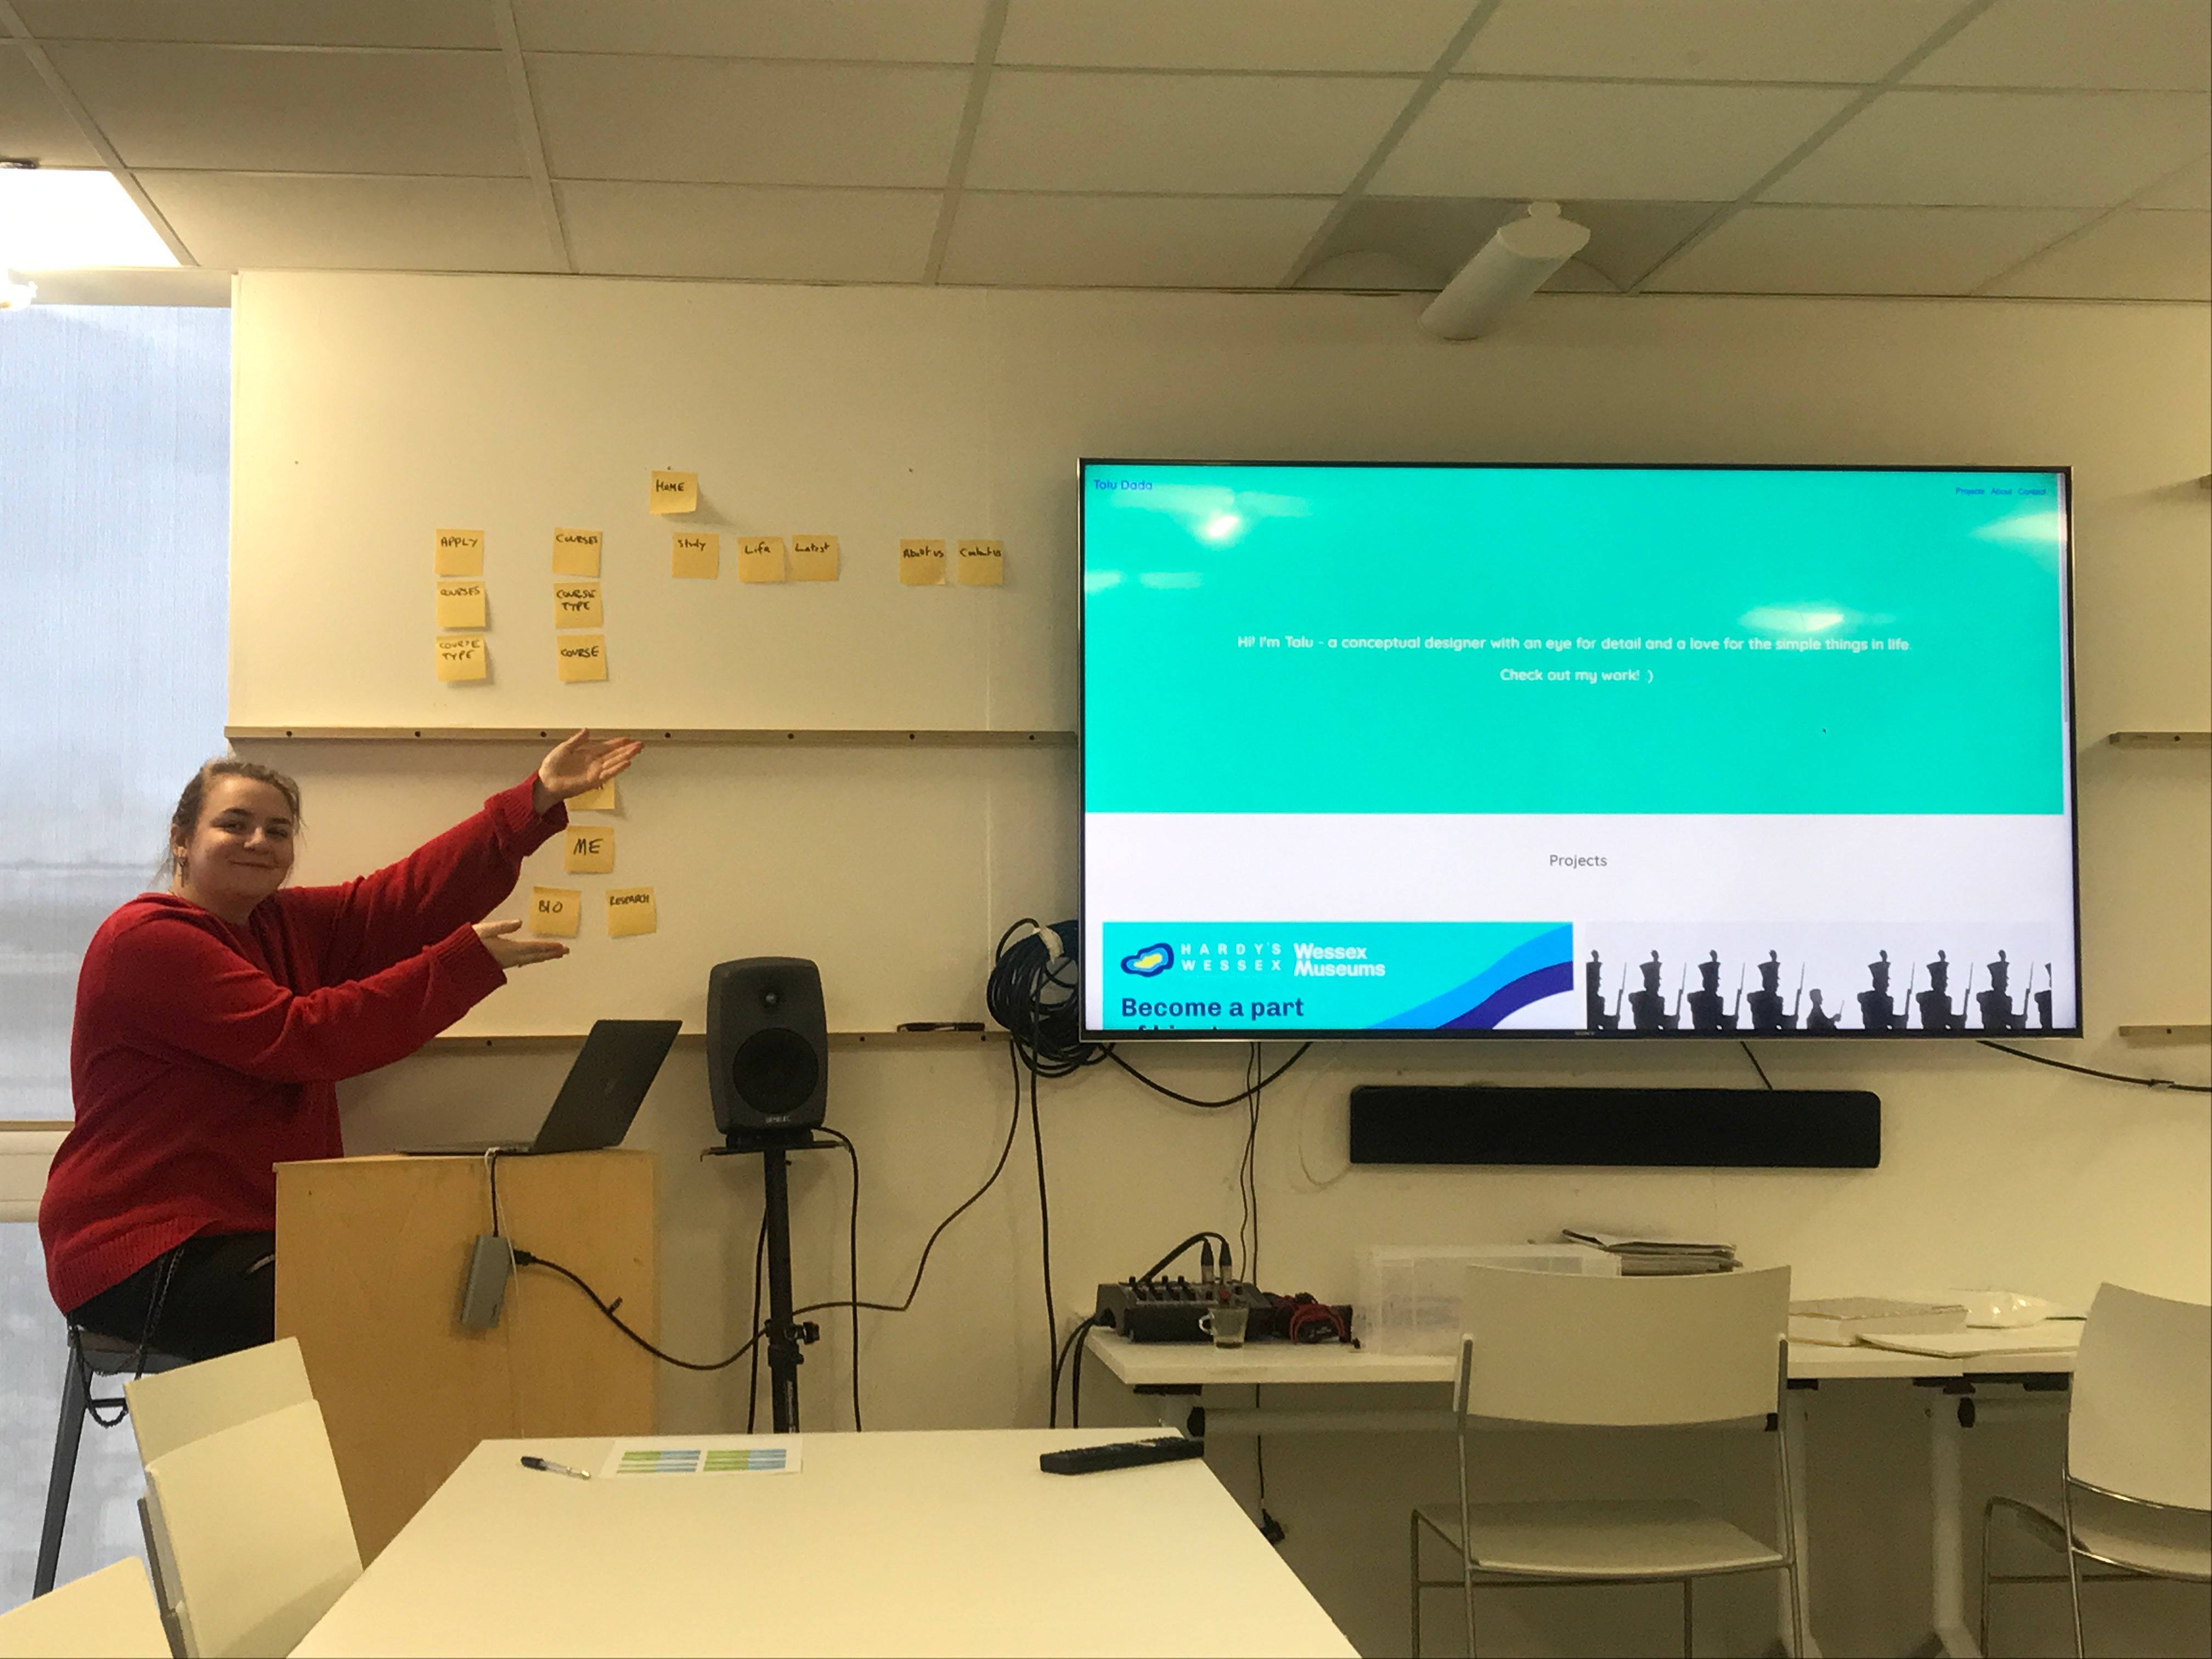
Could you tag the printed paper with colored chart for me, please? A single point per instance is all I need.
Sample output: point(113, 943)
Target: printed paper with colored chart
point(718, 1454)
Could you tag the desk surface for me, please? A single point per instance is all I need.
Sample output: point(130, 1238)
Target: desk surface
point(927, 1543)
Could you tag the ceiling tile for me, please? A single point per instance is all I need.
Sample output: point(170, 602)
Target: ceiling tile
point(265, 23)
point(2001, 148)
point(1128, 241)
point(1435, 236)
point(1523, 139)
point(2134, 255)
point(2150, 45)
point(2191, 188)
point(33, 124)
point(298, 112)
point(1861, 250)
point(911, 31)
point(1179, 133)
point(1231, 34)
point(723, 121)
point(240, 221)
point(1854, 40)
point(742, 231)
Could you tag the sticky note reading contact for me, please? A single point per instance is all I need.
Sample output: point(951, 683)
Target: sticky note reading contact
point(460, 604)
point(556, 912)
point(630, 912)
point(980, 564)
point(582, 656)
point(462, 657)
point(921, 564)
point(694, 553)
point(588, 849)
point(576, 552)
point(460, 553)
point(674, 492)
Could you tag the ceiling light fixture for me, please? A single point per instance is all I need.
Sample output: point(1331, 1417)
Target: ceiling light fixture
point(56, 218)
point(1519, 258)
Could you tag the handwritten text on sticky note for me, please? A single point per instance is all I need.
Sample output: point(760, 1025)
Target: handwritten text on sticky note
point(814, 558)
point(581, 656)
point(588, 849)
point(630, 911)
point(921, 564)
point(980, 564)
point(460, 552)
point(462, 657)
point(576, 552)
point(460, 604)
point(601, 799)
point(555, 911)
point(576, 604)
point(694, 553)
point(674, 492)
point(760, 559)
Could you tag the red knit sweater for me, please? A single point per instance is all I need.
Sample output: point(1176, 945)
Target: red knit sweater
point(203, 1055)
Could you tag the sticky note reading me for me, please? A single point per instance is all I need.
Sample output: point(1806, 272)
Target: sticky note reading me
point(588, 849)
point(630, 912)
point(556, 912)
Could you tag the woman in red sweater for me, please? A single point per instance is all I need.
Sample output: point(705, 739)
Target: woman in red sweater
point(215, 1021)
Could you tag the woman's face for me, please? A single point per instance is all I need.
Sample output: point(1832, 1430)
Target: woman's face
point(241, 849)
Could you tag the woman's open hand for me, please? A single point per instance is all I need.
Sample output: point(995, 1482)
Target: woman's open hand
point(517, 952)
point(581, 763)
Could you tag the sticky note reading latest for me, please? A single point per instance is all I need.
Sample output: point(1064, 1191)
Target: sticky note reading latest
point(460, 553)
point(576, 552)
point(588, 850)
point(760, 559)
point(814, 558)
point(582, 656)
point(601, 799)
point(630, 912)
point(556, 912)
point(921, 564)
point(694, 553)
point(674, 492)
point(463, 656)
point(576, 604)
point(980, 564)
point(460, 604)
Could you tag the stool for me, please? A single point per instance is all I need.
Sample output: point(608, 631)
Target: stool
point(90, 1355)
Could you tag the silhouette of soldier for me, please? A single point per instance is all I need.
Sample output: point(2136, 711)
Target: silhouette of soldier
point(1767, 1013)
point(1877, 1012)
point(1819, 1018)
point(1934, 1002)
point(1648, 1007)
point(1705, 1012)
point(1996, 1003)
point(2043, 1000)
point(1594, 998)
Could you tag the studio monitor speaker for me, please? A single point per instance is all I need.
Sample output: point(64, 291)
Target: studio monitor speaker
point(768, 1044)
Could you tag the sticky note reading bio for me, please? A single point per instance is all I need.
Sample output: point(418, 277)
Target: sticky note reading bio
point(980, 564)
point(556, 912)
point(760, 559)
point(462, 657)
point(694, 553)
point(575, 552)
point(460, 604)
point(576, 604)
point(674, 492)
point(630, 911)
point(921, 564)
point(581, 656)
point(601, 799)
point(814, 558)
point(460, 553)
point(588, 850)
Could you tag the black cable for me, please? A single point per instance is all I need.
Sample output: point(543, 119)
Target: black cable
point(1205, 1105)
point(752, 1395)
point(1032, 991)
point(491, 1174)
point(1152, 1272)
point(1059, 1363)
point(2091, 1071)
point(853, 1265)
point(1247, 1169)
point(524, 1259)
point(1755, 1066)
point(1044, 1210)
point(1075, 1386)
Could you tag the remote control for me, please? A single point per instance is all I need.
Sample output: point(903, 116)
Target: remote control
point(1120, 1455)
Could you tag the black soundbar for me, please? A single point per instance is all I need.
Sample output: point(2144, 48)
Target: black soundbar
point(1619, 1128)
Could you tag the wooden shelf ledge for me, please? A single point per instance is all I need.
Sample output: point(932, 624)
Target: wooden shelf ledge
point(2166, 1033)
point(757, 737)
point(2160, 739)
point(452, 1042)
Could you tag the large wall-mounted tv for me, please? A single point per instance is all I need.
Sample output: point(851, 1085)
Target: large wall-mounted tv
point(1660, 751)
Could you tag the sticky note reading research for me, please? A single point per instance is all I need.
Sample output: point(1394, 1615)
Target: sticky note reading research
point(760, 559)
point(694, 553)
point(576, 604)
point(460, 604)
point(814, 558)
point(980, 564)
point(601, 799)
point(582, 656)
point(588, 850)
point(921, 564)
point(674, 492)
point(460, 552)
point(556, 912)
point(575, 552)
point(630, 911)
point(462, 657)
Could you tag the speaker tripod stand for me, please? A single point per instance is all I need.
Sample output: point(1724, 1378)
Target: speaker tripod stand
point(786, 1333)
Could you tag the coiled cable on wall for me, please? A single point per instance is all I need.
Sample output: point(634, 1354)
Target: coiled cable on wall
point(1035, 990)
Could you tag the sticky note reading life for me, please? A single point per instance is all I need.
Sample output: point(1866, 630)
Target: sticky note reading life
point(601, 799)
point(814, 558)
point(576, 604)
point(462, 657)
point(582, 656)
point(460, 553)
point(630, 911)
point(555, 911)
point(921, 564)
point(694, 553)
point(980, 564)
point(460, 604)
point(575, 552)
point(674, 492)
point(760, 559)
point(588, 850)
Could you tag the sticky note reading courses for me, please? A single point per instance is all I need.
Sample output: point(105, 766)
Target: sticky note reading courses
point(694, 553)
point(814, 558)
point(980, 564)
point(588, 849)
point(582, 656)
point(555, 911)
point(576, 604)
point(630, 911)
point(460, 552)
point(921, 564)
point(575, 552)
point(462, 657)
point(760, 559)
point(674, 492)
point(460, 604)
point(601, 799)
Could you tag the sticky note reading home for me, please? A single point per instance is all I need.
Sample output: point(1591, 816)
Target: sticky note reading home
point(556, 912)
point(460, 553)
point(674, 492)
point(588, 850)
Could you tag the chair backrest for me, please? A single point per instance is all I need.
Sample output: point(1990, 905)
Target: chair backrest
point(259, 1528)
point(2141, 1421)
point(108, 1612)
point(179, 1407)
point(1566, 1348)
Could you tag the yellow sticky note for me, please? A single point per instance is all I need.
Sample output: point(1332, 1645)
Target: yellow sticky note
point(460, 553)
point(814, 558)
point(630, 912)
point(674, 492)
point(601, 799)
point(588, 849)
point(921, 564)
point(980, 564)
point(463, 656)
point(760, 559)
point(694, 553)
point(555, 911)
point(576, 604)
point(582, 656)
point(460, 604)
point(576, 552)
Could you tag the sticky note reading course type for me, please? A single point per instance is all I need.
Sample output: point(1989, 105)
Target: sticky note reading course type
point(674, 492)
point(576, 604)
point(694, 553)
point(814, 558)
point(460, 604)
point(575, 552)
point(601, 799)
point(555, 911)
point(462, 657)
point(760, 559)
point(980, 564)
point(582, 656)
point(921, 564)
point(630, 911)
point(460, 552)
point(588, 849)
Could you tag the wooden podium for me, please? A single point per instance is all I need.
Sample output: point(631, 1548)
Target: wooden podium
point(370, 1255)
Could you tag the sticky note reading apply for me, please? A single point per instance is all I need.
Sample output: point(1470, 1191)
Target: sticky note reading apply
point(582, 656)
point(674, 492)
point(556, 912)
point(921, 564)
point(588, 849)
point(814, 558)
point(601, 799)
point(460, 553)
point(460, 604)
point(576, 604)
point(980, 564)
point(462, 657)
point(694, 553)
point(760, 559)
point(630, 912)
point(576, 552)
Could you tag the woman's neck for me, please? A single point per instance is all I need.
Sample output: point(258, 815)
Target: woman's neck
point(234, 911)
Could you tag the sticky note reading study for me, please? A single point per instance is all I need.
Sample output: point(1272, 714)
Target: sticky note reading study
point(694, 553)
point(980, 564)
point(760, 559)
point(576, 552)
point(814, 558)
point(460, 604)
point(921, 564)
point(588, 850)
point(630, 912)
point(460, 553)
point(462, 657)
point(556, 912)
point(581, 656)
point(576, 604)
point(674, 492)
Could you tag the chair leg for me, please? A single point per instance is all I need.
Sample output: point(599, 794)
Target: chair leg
point(2074, 1587)
point(1800, 1637)
point(1686, 1617)
point(1989, 1548)
point(76, 1388)
point(1414, 1557)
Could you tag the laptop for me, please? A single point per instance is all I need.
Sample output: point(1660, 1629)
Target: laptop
point(600, 1097)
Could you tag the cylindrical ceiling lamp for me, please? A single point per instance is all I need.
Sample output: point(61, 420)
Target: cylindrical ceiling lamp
point(1519, 258)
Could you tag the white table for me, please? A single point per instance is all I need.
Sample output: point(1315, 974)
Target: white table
point(942, 1543)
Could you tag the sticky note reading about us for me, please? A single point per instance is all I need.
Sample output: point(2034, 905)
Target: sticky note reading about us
point(576, 552)
point(674, 492)
point(760, 559)
point(462, 657)
point(630, 912)
point(921, 564)
point(588, 849)
point(980, 564)
point(581, 656)
point(814, 558)
point(460, 552)
point(576, 604)
point(694, 553)
point(601, 799)
point(556, 912)
point(460, 604)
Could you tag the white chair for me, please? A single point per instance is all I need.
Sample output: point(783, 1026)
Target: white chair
point(257, 1526)
point(108, 1614)
point(1561, 1349)
point(2136, 1490)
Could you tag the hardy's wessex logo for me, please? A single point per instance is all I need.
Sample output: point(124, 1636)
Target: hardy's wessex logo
point(1151, 962)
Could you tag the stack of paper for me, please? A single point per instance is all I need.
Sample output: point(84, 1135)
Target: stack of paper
point(1842, 1320)
point(1643, 1254)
